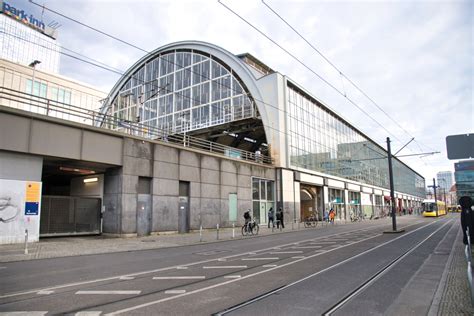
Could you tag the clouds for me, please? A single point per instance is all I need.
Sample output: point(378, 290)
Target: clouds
point(414, 58)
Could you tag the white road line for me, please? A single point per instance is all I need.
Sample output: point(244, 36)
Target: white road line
point(269, 266)
point(45, 292)
point(67, 285)
point(132, 308)
point(126, 278)
point(224, 267)
point(28, 313)
point(307, 247)
point(298, 257)
point(284, 252)
point(222, 259)
point(189, 277)
point(232, 276)
point(255, 259)
point(175, 291)
point(252, 253)
point(108, 292)
point(181, 268)
point(88, 313)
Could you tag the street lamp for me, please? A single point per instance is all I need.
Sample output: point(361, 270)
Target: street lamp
point(33, 65)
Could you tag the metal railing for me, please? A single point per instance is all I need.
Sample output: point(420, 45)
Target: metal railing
point(468, 254)
point(40, 105)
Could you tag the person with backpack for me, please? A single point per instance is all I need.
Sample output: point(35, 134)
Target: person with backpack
point(467, 218)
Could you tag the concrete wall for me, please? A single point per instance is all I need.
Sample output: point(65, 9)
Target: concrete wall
point(211, 180)
point(14, 166)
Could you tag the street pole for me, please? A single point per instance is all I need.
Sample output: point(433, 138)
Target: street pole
point(33, 65)
point(392, 190)
point(435, 198)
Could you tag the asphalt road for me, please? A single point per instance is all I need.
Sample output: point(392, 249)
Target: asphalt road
point(343, 270)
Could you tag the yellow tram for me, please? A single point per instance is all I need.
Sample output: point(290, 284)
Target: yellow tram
point(433, 208)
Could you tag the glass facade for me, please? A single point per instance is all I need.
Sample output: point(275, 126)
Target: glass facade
point(263, 197)
point(464, 175)
point(321, 141)
point(22, 44)
point(180, 91)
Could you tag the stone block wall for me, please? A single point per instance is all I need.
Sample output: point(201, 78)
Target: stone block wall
point(211, 180)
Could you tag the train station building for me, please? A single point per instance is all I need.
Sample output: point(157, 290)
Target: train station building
point(193, 135)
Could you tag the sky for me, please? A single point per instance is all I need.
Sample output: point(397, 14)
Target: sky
point(415, 59)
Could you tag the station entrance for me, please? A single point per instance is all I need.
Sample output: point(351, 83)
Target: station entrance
point(311, 201)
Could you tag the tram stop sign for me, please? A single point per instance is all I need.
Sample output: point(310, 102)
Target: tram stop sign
point(460, 146)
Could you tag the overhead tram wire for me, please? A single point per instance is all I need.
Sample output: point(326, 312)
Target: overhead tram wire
point(205, 77)
point(309, 68)
point(167, 90)
point(337, 69)
point(143, 50)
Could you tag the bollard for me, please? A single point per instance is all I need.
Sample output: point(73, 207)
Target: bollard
point(217, 237)
point(233, 230)
point(26, 241)
point(200, 233)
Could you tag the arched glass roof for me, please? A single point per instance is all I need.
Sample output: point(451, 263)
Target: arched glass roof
point(182, 90)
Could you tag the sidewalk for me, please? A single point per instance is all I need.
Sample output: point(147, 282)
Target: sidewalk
point(87, 245)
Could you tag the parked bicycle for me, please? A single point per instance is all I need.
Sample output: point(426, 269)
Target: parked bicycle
point(311, 221)
point(250, 228)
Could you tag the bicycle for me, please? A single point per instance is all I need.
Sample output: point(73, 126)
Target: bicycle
point(310, 221)
point(250, 228)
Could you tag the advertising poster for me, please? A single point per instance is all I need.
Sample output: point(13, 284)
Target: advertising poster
point(20, 208)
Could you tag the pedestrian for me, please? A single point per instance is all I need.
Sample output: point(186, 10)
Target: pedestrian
point(467, 218)
point(279, 218)
point(332, 214)
point(325, 216)
point(271, 217)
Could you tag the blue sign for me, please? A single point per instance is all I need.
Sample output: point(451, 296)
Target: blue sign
point(21, 15)
point(31, 208)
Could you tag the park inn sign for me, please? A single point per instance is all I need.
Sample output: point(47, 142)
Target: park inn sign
point(22, 16)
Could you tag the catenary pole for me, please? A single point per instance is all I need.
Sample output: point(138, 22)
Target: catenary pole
point(392, 190)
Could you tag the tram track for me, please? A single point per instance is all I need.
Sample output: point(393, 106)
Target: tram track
point(353, 293)
point(199, 286)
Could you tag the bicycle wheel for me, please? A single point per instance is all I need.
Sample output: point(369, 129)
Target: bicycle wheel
point(307, 224)
point(244, 231)
point(255, 229)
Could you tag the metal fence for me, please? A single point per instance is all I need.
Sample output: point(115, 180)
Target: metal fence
point(468, 253)
point(51, 108)
point(65, 215)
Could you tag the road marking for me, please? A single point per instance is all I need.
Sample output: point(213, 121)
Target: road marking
point(132, 308)
point(126, 278)
point(284, 252)
point(175, 291)
point(222, 259)
point(181, 268)
point(28, 313)
point(88, 313)
point(224, 267)
point(298, 257)
point(45, 292)
point(307, 247)
point(232, 276)
point(269, 266)
point(252, 253)
point(189, 277)
point(255, 259)
point(108, 292)
point(67, 285)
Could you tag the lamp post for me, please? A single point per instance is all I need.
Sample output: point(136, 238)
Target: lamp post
point(33, 65)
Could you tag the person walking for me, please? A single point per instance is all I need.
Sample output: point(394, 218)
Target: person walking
point(271, 217)
point(279, 217)
point(332, 214)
